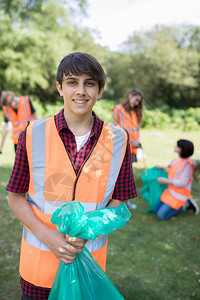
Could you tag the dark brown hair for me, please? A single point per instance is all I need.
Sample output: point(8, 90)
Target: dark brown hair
point(138, 109)
point(5, 97)
point(80, 63)
point(187, 148)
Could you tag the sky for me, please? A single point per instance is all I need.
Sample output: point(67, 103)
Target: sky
point(116, 20)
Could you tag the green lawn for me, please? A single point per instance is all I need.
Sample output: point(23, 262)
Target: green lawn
point(148, 259)
point(153, 259)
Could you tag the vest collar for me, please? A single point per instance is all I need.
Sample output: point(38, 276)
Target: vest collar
point(61, 124)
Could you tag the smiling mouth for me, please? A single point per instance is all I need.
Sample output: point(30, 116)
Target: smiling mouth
point(80, 101)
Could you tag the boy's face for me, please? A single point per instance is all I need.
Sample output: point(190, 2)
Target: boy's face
point(80, 93)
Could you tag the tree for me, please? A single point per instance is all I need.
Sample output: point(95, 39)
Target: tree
point(19, 10)
point(30, 51)
point(169, 62)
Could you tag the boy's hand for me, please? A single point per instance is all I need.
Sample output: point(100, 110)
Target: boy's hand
point(63, 246)
point(76, 242)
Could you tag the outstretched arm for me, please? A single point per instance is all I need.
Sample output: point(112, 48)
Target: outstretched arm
point(166, 169)
point(4, 134)
point(182, 180)
point(115, 117)
point(163, 180)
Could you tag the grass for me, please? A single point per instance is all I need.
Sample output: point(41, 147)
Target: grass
point(153, 259)
point(148, 259)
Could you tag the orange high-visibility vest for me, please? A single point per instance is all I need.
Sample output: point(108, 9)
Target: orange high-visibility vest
point(53, 182)
point(176, 197)
point(128, 121)
point(20, 119)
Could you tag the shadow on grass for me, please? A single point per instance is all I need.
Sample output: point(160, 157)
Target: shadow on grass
point(133, 288)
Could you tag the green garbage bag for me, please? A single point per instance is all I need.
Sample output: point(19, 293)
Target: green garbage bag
point(84, 279)
point(152, 189)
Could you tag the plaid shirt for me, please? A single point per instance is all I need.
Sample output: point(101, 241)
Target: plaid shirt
point(125, 187)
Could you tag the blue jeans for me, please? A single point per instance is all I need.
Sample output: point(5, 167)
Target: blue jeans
point(164, 211)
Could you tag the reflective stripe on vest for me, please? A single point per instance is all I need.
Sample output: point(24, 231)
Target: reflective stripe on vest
point(128, 121)
point(20, 119)
point(53, 182)
point(176, 197)
point(32, 240)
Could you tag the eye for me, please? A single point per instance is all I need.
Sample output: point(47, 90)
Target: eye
point(72, 82)
point(91, 83)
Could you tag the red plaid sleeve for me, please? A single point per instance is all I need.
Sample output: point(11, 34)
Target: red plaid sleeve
point(19, 178)
point(125, 187)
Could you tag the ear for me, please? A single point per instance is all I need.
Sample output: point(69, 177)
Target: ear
point(100, 93)
point(59, 88)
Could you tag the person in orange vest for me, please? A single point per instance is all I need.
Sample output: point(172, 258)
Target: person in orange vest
point(19, 111)
point(128, 115)
point(71, 156)
point(176, 197)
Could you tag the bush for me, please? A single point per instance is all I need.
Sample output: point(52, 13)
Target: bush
point(164, 117)
point(155, 119)
point(194, 113)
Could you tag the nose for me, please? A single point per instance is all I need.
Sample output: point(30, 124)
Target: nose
point(80, 89)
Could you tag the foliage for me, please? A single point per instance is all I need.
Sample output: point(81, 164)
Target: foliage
point(162, 118)
point(20, 9)
point(23, 10)
point(103, 108)
point(175, 118)
point(155, 119)
point(29, 61)
point(164, 63)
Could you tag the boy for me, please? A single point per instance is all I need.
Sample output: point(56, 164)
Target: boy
point(18, 110)
point(71, 156)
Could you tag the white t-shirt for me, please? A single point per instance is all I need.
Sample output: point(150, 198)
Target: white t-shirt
point(81, 140)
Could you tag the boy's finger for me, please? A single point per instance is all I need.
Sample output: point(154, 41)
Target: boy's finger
point(72, 239)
